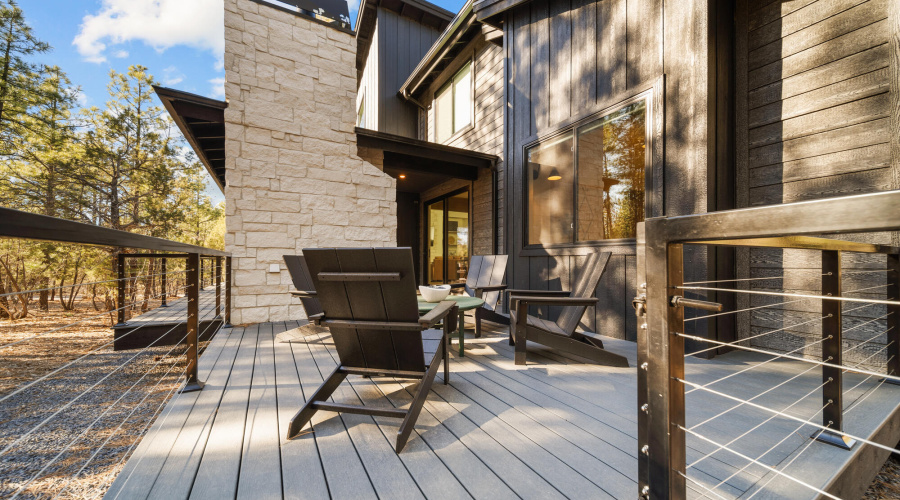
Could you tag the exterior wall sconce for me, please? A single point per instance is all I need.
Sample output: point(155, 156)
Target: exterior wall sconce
point(554, 175)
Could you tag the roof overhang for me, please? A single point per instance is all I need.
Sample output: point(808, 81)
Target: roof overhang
point(462, 30)
point(491, 11)
point(202, 122)
point(427, 161)
point(420, 11)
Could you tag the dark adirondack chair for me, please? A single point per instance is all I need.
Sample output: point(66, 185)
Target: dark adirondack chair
point(485, 281)
point(299, 272)
point(368, 297)
point(561, 334)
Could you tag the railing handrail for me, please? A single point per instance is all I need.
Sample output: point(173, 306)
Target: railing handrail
point(19, 224)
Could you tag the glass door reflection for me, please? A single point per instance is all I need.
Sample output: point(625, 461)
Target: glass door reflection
point(448, 238)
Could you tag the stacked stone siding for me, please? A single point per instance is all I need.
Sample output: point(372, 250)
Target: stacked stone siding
point(293, 177)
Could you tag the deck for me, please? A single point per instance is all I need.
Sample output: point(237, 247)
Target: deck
point(168, 325)
point(557, 428)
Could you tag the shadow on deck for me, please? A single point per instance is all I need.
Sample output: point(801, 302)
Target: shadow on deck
point(554, 429)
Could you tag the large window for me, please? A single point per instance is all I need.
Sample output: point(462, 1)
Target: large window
point(453, 104)
point(587, 183)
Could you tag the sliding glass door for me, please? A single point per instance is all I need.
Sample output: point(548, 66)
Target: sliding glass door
point(447, 238)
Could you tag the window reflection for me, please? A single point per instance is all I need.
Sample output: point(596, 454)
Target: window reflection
point(599, 196)
point(551, 174)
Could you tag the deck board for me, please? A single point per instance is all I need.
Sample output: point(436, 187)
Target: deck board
point(556, 428)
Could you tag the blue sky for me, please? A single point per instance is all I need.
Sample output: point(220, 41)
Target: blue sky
point(180, 41)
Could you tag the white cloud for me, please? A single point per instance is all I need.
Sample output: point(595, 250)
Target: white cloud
point(218, 88)
point(171, 76)
point(159, 23)
point(120, 54)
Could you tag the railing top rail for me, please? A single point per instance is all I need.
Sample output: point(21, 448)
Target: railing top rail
point(788, 225)
point(18, 224)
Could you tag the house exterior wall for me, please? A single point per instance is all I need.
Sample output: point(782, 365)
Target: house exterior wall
point(369, 86)
point(400, 43)
point(293, 178)
point(485, 136)
point(573, 58)
point(814, 114)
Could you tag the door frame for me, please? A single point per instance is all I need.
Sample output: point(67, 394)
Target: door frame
point(426, 264)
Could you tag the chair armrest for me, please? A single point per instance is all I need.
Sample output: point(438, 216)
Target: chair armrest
point(439, 312)
point(304, 294)
point(489, 288)
point(316, 319)
point(457, 285)
point(546, 293)
point(552, 301)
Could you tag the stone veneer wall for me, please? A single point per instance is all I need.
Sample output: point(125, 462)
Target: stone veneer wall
point(293, 177)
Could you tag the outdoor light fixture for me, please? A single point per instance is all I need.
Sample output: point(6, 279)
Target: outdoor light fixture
point(402, 176)
point(554, 175)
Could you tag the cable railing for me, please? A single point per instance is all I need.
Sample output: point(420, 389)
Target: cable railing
point(82, 383)
point(807, 329)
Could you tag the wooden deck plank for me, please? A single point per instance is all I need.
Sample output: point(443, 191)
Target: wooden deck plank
point(552, 429)
point(302, 475)
point(260, 476)
point(344, 470)
point(217, 474)
point(432, 475)
point(144, 465)
point(387, 473)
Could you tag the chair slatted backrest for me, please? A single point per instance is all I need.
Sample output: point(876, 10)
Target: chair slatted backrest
point(357, 299)
point(486, 270)
point(299, 272)
point(584, 287)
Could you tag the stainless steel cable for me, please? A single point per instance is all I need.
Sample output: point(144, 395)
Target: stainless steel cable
point(68, 404)
point(795, 358)
point(698, 483)
point(736, 280)
point(760, 335)
point(96, 420)
point(768, 467)
point(740, 310)
point(70, 363)
point(788, 294)
point(104, 313)
point(10, 294)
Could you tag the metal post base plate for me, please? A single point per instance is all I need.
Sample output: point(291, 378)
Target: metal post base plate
point(192, 387)
point(890, 381)
point(834, 439)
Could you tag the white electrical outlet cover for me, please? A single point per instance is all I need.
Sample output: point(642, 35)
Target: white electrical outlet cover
point(274, 268)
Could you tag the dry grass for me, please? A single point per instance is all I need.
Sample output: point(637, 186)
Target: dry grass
point(887, 482)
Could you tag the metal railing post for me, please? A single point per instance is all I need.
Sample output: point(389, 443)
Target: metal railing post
point(893, 319)
point(218, 273)
point(832, 352)
point(192, 276)
point(661, 471)
point(201, 272)
point(120, 289)
point(228, 280)
point(165, 283)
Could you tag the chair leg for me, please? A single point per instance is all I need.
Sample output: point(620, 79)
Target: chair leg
point(462, 334)
point(416, 407)
point(512, 332)
point(445, 343)
point(478, 322)
point(322, 393)
point(521, 324)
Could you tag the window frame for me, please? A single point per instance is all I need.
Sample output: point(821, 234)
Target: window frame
point(653, 187)
point(361, 111)
point(470, 63)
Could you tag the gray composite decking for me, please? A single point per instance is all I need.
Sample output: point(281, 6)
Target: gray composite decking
point(168, 325)
point(555, 428)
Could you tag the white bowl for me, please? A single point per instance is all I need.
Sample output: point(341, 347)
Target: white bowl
point(434, 293)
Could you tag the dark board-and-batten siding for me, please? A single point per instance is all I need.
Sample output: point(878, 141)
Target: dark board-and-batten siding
point(816, 114)
point(571, 58)
point(402, 43)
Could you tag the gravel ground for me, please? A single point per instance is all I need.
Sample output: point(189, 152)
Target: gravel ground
point(68, 435)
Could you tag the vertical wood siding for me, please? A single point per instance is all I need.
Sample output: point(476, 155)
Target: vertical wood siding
point(570, 58)
point(368, 86)
point(401, 44)
point(816, 94)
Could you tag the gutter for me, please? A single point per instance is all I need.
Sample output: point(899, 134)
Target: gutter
point(462, 20)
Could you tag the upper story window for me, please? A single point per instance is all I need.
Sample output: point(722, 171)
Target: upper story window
point(361, 112)
point(454, 104)
point(587, 183)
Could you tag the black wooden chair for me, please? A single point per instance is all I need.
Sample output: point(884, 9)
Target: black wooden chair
point(299, 272)
point(485, 281)
point(368, 297)
point(561, 334)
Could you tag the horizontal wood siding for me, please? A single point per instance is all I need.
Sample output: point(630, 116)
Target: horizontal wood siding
point(817, 110)
point(402, 43)
point(571, 58)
